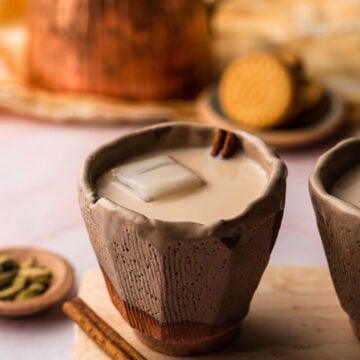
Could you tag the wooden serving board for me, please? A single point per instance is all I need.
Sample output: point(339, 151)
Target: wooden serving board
point(295, 315)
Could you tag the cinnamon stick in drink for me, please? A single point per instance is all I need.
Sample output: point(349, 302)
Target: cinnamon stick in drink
point(230, 145)
point(218, 142)
point(226, 142)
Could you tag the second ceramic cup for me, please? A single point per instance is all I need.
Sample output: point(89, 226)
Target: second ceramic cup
point(339, 225)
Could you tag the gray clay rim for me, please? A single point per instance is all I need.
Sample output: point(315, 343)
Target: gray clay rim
point(277, 172)
point(316, 183)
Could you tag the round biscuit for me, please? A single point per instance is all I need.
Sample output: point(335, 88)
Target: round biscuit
point(257, 91)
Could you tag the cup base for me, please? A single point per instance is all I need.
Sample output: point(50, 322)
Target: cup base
point(190, 347)
point(170, 340)
point(356, 328)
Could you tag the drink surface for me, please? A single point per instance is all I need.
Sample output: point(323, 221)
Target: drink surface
point(347, 187)
point(230, 185)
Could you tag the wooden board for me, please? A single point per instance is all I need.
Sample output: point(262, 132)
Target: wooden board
point(295, 315)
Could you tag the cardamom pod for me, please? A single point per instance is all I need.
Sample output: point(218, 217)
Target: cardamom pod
point(29, 262)
point(22, 281)
point(18, 284)
point(36, 274)
point(6, 278)
point(7, 263)
point(34, 289)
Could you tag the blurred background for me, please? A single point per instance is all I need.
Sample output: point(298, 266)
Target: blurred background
point(60, 98)
point(324, 33)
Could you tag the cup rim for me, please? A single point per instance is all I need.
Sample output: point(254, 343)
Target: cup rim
point(277, 173)
point(316, 184)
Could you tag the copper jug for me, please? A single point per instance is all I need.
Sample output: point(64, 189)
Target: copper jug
point(133, 49)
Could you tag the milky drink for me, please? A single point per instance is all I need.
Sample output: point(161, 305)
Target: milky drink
point(228, 186)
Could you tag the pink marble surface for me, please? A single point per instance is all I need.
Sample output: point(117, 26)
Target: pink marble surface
point(39, 164)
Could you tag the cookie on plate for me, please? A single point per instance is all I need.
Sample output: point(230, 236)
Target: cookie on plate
point(258, 91)
point(315, 103)
point(292, 61)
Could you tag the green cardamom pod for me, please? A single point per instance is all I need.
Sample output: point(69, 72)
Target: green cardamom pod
point(36, 274)
point(29, 262)
point(18, 284)
point(6, 278)
point(7, 263)
point(34, 289)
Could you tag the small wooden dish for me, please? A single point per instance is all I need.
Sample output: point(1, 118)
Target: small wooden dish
point(61, 284)
point(327, 125)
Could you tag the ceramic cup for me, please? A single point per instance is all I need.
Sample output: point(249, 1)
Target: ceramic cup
point(339, 225)
point(183, 286)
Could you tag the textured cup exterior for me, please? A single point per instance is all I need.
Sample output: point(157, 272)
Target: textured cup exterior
point(182, 280)
point(339, 223)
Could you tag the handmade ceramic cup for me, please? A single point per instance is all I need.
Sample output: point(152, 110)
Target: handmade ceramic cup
point(339, 225)
point(183, 286)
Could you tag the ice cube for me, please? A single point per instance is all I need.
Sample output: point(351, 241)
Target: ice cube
point(156, 177)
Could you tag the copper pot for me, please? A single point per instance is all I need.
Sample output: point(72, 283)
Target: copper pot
point(141, 49)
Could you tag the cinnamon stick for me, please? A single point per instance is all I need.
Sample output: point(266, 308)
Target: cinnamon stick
point(218, 142)
point(230, 145)
point(100, 332)
point(226, 142)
